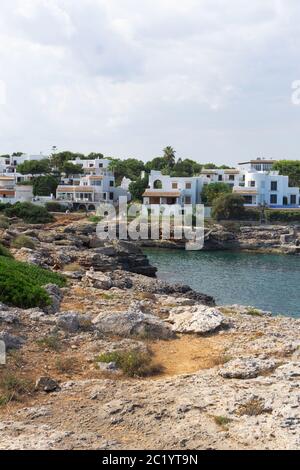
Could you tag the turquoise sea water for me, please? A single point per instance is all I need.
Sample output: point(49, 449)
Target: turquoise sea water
point(266, 281)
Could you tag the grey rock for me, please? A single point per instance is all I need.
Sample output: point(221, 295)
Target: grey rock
point(69, 322)
point(56, 297)
point(97, 280)
point(195, 319)
point(11, 341)
point(132, 323)
point(246, 368)
point(8, 317)
point(46, 384)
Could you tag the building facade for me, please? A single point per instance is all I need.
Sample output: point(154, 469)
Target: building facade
point(256, 186)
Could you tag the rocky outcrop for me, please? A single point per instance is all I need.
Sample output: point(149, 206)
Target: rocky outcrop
point(134, 322)
point(11, 341)
point(246, 368)
point(198, 319)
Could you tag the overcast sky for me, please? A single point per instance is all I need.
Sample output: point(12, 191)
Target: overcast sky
point(126, 78)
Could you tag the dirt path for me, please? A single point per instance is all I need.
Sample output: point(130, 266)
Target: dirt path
point(189, 354)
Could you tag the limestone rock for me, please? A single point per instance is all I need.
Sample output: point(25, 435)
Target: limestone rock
point(246, 368)
point(195, 319)
point(56, 297)
point(11, 341)
point(132, 323)
point(97, 280)
point(71, 322)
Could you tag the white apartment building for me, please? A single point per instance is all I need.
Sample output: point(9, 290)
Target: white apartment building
point(164, 189)
point(267, 188)
point(95, 186)
point(256, 186)
point(11, 192)
point(9, 164)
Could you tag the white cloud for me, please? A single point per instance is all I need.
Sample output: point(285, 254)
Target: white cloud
point(127, 77)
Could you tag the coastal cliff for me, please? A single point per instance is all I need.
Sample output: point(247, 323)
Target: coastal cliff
point(121, 360)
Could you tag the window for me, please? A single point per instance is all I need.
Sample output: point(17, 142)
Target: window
point(174, 185)
point(231, 177)
point(293, 199)
point(252, 184)
point(273, 185)
point(111, 183)
point(157, 184)
point(273, 199)
point(188, 199)
point(248, 199)
point(220, 178)
point(188, 186)
point(111, 196)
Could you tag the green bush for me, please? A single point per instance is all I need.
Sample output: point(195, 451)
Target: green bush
point(132, 363)
point(4, 224)
point(278, 215)
point(22, 241)
point(21, 283)
point(228, 207)
point(55, 207)
point(29, 212)
point(5, 252)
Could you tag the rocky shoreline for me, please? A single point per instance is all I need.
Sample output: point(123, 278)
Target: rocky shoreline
point(282, 239)
point(224, 377)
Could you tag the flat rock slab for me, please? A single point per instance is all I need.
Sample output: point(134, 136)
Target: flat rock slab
point(195, 319)
point(246, 368)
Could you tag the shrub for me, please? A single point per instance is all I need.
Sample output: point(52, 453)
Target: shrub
point(283, 215)
point(222, 420)
point(253, 407)
point(12, 387)
point(22, 241)
point(95, 219)
point(4, 224)
point(55, 207)
point(228, 206)
point(21, 283)
point(29, 212)
point(5, 252)
point(213, 191)
point(49, 342)
point(67, 365)
point(132, 363)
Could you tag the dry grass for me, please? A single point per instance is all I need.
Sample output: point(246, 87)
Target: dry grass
point(13, 387)
point(253, 407)
point(50, 342)
point(132, 363)
point(67, 365)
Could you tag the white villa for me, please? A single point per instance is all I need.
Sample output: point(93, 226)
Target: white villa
point(259, 185)
point(95, 186)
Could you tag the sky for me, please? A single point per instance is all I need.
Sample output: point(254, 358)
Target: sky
point(212, 78)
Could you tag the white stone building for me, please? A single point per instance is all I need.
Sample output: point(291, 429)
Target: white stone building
point(11, 192)
point(256, 186)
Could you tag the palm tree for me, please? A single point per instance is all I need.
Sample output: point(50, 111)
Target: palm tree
point(169, 156)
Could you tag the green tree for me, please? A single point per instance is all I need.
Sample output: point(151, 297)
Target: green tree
point(94, 156)
point(45, 185)
point(137, 188)
point(34, 167)
point(290, 168)
point(131, 168)
point(59, 159)
point(211, 191)
point(228, 206)
point(70, 169)
point(157, 164)
point(169, 156)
